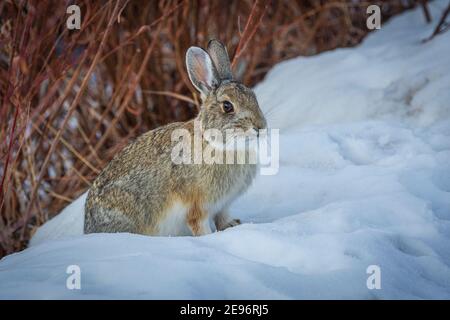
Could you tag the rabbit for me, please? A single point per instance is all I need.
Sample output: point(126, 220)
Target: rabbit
point(142, 191)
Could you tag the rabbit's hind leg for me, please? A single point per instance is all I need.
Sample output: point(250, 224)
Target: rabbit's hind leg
point(99, 219)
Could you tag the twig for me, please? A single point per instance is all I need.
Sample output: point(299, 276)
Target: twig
point(426, 11)
point(253, 21)
point(442, 25)
point(170, 94)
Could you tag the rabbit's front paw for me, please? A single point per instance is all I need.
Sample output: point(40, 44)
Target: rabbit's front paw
point(231, 223)
point(223, 221)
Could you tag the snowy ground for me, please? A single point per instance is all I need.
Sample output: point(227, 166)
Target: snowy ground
point(364, 180)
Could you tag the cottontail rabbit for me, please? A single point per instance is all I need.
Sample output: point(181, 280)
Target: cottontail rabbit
point(143, 191)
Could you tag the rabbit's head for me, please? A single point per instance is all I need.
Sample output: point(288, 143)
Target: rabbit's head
point(226, 103)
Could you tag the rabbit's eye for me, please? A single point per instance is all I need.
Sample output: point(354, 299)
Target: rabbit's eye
point(227, 107)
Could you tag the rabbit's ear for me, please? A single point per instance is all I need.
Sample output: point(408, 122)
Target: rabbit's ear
point(201, 70)
point(219, 55)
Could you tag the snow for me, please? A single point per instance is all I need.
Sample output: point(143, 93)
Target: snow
point(69, 222)
point(364, 180)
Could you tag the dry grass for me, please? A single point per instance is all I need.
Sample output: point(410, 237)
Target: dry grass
point(69, 100)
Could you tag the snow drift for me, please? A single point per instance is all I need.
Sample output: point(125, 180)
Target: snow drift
point(364, 180)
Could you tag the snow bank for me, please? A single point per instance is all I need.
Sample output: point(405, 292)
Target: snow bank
point(69, 222)
point(364, 180)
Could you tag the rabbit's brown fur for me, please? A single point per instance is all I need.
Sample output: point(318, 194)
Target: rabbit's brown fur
point(142, 188)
